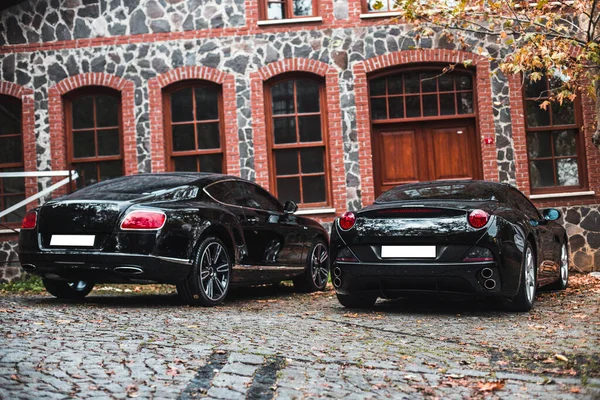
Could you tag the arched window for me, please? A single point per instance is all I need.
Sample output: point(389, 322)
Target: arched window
point(12, 190)
point(297, 138)
point(193, 127)
point(554, 140)
point(94, 134)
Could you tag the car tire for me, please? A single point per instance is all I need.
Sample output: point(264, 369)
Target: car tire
point(316, 273)
point(356, 301)
point(525, 297)
point(209, 280)
point(68, 290)
point(563, 270)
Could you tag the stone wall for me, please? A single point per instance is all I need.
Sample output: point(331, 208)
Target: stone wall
point(10, 268)
point(583, 227)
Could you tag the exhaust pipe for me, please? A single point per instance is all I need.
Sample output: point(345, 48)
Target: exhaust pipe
point(129, 270)
point(28, 267)
point(487, 273)
point(337, 280)
point(489, 284)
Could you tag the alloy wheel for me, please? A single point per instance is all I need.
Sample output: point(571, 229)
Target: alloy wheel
point(214, 271)
point(564, 265)
point(319, 265)
point(529, 275)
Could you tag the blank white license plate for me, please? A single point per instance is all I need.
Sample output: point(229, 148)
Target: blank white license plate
point(407, 251)
point(72, 240)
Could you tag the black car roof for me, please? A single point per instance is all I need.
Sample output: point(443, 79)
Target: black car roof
point(474, 186)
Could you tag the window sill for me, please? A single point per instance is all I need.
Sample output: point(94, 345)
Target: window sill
point(559, 195)
point(380, 15)
point(289, 21)
point(315, 211)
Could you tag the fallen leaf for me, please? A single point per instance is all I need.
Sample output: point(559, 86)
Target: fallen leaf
point(561, 357)
point(490, 386)
point(575, 390)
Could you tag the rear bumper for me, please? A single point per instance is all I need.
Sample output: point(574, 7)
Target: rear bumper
point(106, 267)
point(394, 280)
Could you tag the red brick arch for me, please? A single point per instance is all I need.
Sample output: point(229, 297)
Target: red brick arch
point(57, 116)
point(334, 117)
point(27, 117)
point(157, 135)
point(485, 113)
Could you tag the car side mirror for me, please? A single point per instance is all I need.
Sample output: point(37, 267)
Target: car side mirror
point(290, 207)
point(551, 214)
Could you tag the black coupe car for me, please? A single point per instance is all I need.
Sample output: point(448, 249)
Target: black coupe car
point(448, 237)
point(201, 232)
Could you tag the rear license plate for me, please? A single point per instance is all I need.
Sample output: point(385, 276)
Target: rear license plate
point(72, 240)
point(407, 251)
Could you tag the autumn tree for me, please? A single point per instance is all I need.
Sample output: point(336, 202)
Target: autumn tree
point(560, 39)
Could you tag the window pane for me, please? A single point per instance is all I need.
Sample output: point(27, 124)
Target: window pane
point(412, 83)
point(10, 115)
point(539, 145)
point(310, 128)
point(378, 108)
point(464, 82)
point(535, 115)
point(465, 103)
point(107, 111)
point(413, 106)
point(274, 11)
point(446, 83)
point(185, 163)
point(377, 87)
point(313, 189)
point(207, 104)
point(312, 159)
point(396, 105)
point(567, 172)
point(565, 143)
point(430, 105)
point(88, 174)
point(83, 112)
point(536, 89)
point(394, 84)
point(108, 142)
point(308, 96)
point(284, 130)
point(447, 104)
point(83, 144)
point(286, 162)
point(377, 5)
point(18, 214)
point(208, 136)
point(288, 189)
point(182, 105)
point(563, 115)
point(541, 173)
point(183, 137)
point(428, 82)
point(10, 150)
point(302, 7)
point(283, 98)
point(211, 163)
point(13, 185)
point(110, 169)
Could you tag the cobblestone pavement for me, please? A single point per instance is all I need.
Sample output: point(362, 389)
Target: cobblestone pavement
point(270, 342)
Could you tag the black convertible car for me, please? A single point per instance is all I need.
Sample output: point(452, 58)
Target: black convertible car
point(201, 232)
point(448, 237)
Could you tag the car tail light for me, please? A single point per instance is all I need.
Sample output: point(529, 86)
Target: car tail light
point(144, 220)
point(347, 220)
point(478, 218)
point(30, 220)
point(479, 254)
point(345, 254)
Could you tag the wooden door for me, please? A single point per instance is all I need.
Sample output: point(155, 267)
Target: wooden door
point(425, 151)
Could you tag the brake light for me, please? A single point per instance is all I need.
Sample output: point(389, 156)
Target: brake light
point(144, 220)
point(347, 220)
point(478, 218)
point(30, 220)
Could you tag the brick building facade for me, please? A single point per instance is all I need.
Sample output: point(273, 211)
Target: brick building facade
point(350, 94)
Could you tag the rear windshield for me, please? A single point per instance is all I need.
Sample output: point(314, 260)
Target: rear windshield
point(436, 191)
point(132, 187)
